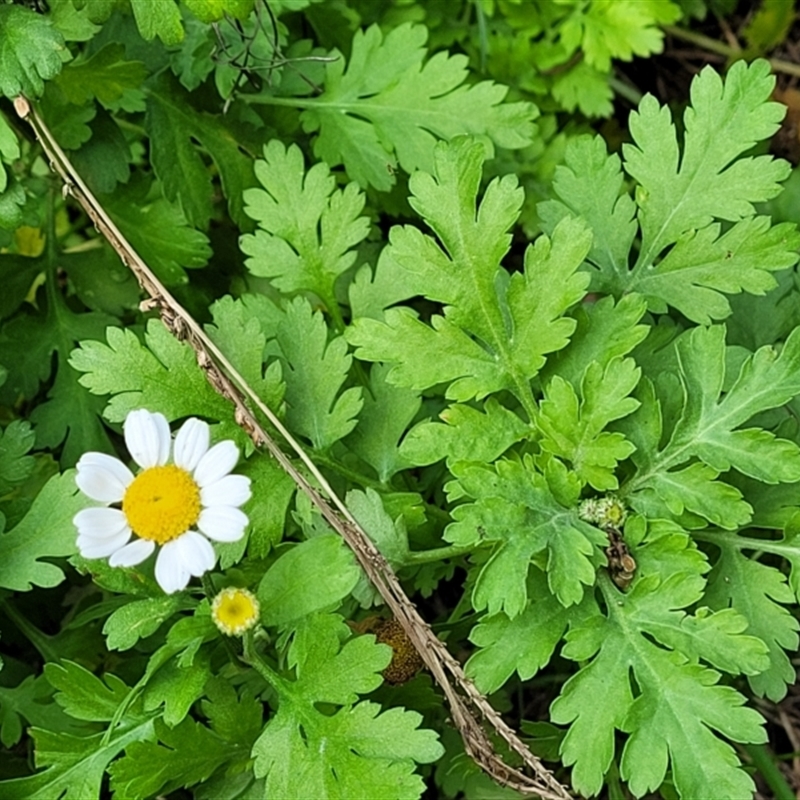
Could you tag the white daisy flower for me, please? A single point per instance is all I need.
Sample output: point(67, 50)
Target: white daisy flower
point(179, 505)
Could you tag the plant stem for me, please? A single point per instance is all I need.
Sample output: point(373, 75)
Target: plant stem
point(253, 658)
point(39, 640)
point(624, 89)
point(346, 472)
point(437, 554)
point(208, 586)
point(704, 42)
point(722, 49)
point(764, 761)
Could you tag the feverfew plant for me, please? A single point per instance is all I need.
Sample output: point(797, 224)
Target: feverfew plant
point(579, 453)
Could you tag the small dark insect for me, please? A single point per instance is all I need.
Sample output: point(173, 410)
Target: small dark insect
point(621, 564)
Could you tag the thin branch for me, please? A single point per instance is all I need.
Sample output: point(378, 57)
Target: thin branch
point(467, 705)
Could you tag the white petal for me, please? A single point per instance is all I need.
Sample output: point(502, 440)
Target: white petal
point(100, 523)
point(223, 523)
point(102, 477)
point(216, 463)
point(147, 437)
point(90, 547)
point(191, 443)
point(232, 490)
point(132, 554)
point(197, 553)
point(170, 572)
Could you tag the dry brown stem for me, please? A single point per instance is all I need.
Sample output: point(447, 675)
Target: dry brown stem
point(467, 705)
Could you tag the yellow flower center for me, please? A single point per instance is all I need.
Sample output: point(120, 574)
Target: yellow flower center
point(161, 503)
point(234, 611)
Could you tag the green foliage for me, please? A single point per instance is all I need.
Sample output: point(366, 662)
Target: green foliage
point(172, 124)
point(30, 340)
point(15, 466)
point(355, 749)
point(31, 51)
point(75, 764)
point(672, 209)
point(343, 198)
point(306, 229)
point(46, 531)
point(315, 370)
point(564, 50)
point(517, 318)
point(290, 588)
point(679, 703)
point(387, 107)
point(137, 375)
point(516, 511)
point(706, 429)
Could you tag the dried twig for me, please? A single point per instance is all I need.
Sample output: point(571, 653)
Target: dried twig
point(467, 705)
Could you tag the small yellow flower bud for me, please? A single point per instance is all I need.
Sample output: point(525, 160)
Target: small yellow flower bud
point(235, 611)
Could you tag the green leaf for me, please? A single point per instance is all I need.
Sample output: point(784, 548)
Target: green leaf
point(213, 10)
point(18, 274)
point(759, 592)
point(769, 26)
point(138, 619)
point(31, 51)
point(238, 333)
point(724, 120)
point(236, 718)
point(46, 531)
point(15, 465)
point(9, 149)
point(679, 197)
point(573, 427)
point(678, 704)
point(158, 18)
point(76, 765)
point(389, 536)
point(71, 416)
point(293, 587)
point(74, 23)
point(273, 490)
point(30, 340)
point(183, 756)
point(173, 124)
point(590, 184)
point(314, 371)
point(102, 281)
point(371, 294)
point(524, 644)
point(702, 264)
point(31, 701)
point(83, 695)
point(384, 417)
point(604, 331)
point(162, 375)
point(177, 685)
point(694, 489)
point(584, 88)
point(307, 229)
point(105, 76)
point(388, 106)
point(496, 328)
point(517, 513)
point(160, 234)
point(353, 751)
point(707, 423)
point(622, 29)
point(67, 122)
point(465, 434)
